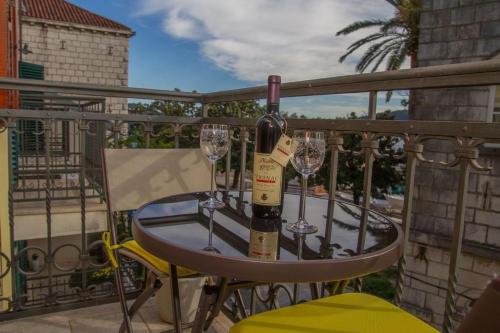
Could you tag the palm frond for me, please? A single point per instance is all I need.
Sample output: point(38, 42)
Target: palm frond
point(368, 57)
point(397, 58)
point(360, 25)
point(376, 49)
point(365, 40)
point(388, 96)
point(356, 45)
point(395, 61)
point(396, 38)
point(395, 3)
point(382, 58)
point(393, 23)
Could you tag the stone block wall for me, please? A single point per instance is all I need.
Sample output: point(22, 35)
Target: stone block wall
point(454, 31)
point(79, 55)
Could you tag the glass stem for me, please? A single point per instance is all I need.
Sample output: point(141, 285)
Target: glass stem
point(212, 193)
point(302, 212)
point(210, 228)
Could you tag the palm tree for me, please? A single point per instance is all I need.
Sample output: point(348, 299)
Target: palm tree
point(396, 39)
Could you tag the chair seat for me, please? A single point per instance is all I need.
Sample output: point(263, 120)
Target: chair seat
point(346, 313)
point(160, 264)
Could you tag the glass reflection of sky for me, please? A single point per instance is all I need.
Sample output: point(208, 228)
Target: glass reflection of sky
point(344, 237)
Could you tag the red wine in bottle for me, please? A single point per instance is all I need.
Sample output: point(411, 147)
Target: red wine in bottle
point(267, 185)
point(264, 238)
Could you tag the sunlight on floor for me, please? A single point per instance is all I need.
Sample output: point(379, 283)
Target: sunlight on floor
point(102, 318)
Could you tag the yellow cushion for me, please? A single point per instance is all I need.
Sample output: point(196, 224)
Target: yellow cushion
point(160, 264)
point(346, 313)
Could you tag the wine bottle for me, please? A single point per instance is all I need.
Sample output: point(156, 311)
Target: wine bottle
point(264, 238)
point(267, 185)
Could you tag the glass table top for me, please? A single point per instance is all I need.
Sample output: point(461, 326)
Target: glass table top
point(178, 220)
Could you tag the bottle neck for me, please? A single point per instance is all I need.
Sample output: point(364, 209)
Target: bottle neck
point(273, 108)
point(273, 94)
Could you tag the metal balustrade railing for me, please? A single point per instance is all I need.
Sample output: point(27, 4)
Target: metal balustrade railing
point(31, 143)
point(90, 131)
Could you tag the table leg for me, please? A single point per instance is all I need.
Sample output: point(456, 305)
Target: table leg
point(295, 293)
point(176, 304)
point(221, 298)
point(299, 257)
point(314, 290)
point(207, 299)
point(240, 304)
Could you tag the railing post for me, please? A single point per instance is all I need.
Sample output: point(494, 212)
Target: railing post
point(467, 155)
point(372, 105)
point(412, 149)
point(228, 160)
point(335, 141)
point(368, 144)
point(116, 133)
point(48, 130)
point(148, 129)
point(456, 247)
point(177, 135)
point(83, 128)
point(243, 158)
point(10, 132)
point(204, 110)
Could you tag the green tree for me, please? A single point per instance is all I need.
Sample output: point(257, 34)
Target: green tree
point(351, 167)
point(241, 109)
point(163, 133)
point(395, 40)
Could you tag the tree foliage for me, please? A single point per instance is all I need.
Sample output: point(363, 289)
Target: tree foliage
point(164, 136)
point(395, 40)
point(351, 167)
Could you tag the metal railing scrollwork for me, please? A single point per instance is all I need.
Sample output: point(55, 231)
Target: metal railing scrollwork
point(69, 171)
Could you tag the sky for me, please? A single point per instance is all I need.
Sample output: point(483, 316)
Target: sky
point(211, 45)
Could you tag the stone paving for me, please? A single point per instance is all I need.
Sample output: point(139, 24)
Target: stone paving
point(103, 318)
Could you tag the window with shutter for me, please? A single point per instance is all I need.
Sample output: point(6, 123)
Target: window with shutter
point(29, 141)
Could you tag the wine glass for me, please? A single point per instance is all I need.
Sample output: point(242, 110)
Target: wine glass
point(308, 149)
point(214, 143)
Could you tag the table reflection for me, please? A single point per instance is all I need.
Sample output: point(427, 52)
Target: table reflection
point(179, 220)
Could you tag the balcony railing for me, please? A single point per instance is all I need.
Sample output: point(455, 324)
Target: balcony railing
point(87, 132)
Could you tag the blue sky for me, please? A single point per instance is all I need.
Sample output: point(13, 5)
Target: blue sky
point(209, 45)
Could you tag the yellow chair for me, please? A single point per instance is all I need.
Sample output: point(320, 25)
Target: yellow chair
point(133, 177)
point(363, 313)
point(345, 313)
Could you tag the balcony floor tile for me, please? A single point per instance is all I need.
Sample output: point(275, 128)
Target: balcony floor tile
point(97, 319)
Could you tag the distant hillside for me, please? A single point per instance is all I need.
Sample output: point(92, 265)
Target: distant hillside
point(400, 114)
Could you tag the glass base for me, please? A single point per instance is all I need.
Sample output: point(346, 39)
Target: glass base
point(212, 203)
point(211, 249)
point(301, 227)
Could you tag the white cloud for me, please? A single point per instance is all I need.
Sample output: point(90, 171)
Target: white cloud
point(254, 38)
point(333, 106)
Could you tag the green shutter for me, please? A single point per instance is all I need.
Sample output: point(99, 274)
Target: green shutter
point(27, 140)
point(31, 71)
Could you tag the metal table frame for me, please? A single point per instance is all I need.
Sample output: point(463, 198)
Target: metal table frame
point(239, 272)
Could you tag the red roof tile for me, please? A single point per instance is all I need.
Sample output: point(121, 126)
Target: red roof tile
point(63, 11)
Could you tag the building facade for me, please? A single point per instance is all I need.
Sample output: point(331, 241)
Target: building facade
point(54, 41)
point(9, 27)
point(454, 31)
point(75, 45)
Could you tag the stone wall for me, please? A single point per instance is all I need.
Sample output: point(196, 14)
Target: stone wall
point(454, 31)
point(79, 55)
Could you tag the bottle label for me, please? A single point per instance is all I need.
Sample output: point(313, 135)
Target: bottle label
point(282, 152)
point(263, 245)
point(266, 180)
